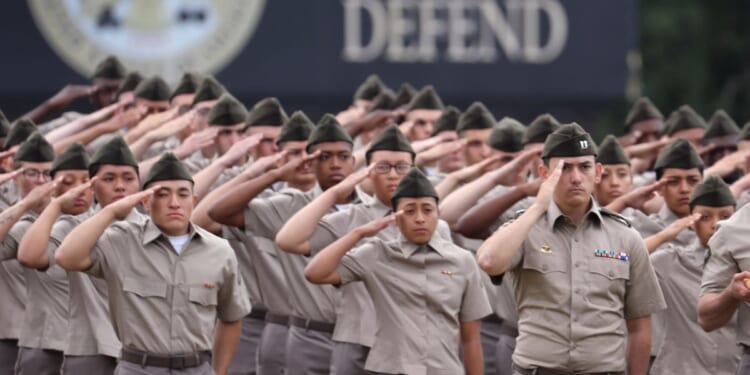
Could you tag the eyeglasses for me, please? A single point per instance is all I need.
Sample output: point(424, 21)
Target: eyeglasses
point(33, 174)
point(385, 168)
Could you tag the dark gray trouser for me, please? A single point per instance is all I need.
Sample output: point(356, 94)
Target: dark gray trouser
point(128, 368)
point(8, 355)
point(504, 354)
point(272, 350)
point(308, 352)
point(348, 358)
point(244, 361)
point(89, 365)
point(32, 361)
point(744, 368)
point(489, 334)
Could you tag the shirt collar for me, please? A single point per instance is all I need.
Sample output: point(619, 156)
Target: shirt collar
point(153, 233)
point(408, 248)
point(666, 215)
point(554, 213)
point(381, 209)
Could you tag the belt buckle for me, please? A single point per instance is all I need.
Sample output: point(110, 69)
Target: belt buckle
point(177, 362)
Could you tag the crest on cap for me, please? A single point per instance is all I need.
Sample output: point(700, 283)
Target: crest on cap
point(448, 120)
point(405, 94)
point(114, 152)
point(167, 168)
point(426, 98)
point(477, 116)
point(189, 83)
point(328, 129)
point(569, 140)
point(266, 112)
point(712, 192)
point(610, 152)
point(35, 149)
point(391, 139)
point(643, 109)
point(227, 111)
point(540, 128)
point(74, 157)
point(370, 88)
point(109, 68)
point(154, 89)
point(507, 135)
point(413, 185)
point(209, 89)
point(678, 154)
point(19, 131)
point(297, 128)
point(683, 118)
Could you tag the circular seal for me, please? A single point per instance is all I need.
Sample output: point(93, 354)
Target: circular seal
point(154, 37)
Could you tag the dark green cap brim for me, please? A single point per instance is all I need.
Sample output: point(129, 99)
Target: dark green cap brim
point(266, 112)
point(19, 132)
point(684, 118)
point(426, 98)
point(712, 192)
point(154, 89)
point(391, 139)
point(507, 135)
point(73, 158)
point(540, 129)
point(109, 68)
point(208, 90)
point(448, 120)
point(679, 154)
point(477, 116)
point(115, 152)
point(643, 109)
point(414, 185)
point(227, 111)
point(298, 128)
point(570, 140)
point(328, 130)
point(35, 149)
point(168, 168)
point(610, 152)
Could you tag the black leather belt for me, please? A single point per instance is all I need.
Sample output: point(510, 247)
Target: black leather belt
point(277, 319)
point(310, 324)
point(508, 330)
point(547, 371)
point(259, 314)
point(745, 349)
point(492, 318)
point(175, 362)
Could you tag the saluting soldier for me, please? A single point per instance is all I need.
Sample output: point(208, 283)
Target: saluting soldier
point(19, 131)
point(687, 348)
point(584, 286)
point(421, 113)
point(617, 177)
point(153, 268)
point(721, 136)
point(427, 291)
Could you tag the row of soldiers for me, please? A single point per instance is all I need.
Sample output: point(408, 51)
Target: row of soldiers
point(173, 231)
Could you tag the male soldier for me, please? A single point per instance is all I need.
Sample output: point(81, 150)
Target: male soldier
point(617, 179)
point(475, 126)
point(19, 131)
point(185, 90)
point(536, 133)
point(421, 113)
point(266, 117)
point(413, 270)
point(685, 123)
point(35, 157)
point(124, 92)
point(405, 94)
point(577, 269)
point(686, 347)
point(135, 260)
point(722, 135)
point(447, 157)
point(366, 93)
point(45, 325)
point(308, 349)
point(644, 123)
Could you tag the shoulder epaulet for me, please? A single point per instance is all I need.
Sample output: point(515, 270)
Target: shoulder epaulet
point(609, 213)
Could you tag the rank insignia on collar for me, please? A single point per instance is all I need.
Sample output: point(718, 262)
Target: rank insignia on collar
point(545, 249)
point(446, 272)
point(603, 253)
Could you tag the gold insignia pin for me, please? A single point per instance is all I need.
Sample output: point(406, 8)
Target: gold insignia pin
point(545, 249)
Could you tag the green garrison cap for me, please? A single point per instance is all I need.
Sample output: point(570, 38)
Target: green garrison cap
point(386, 100)
point(130, 82)
point(678, 154)
point(114, 152)
point(721, 125)
point(391, 139)
point(4, 125)
point(370, 88)
point(745, 132)
point(188, 84)
point(405, 94)
point(414, 185)
point(109, 68)
point(426, 98)
point(227, 111)
point(477, 116)
point(643, 109)
point(568, 140)
point(153, 88)
point(610, 152)
point(712, 192)
point(168, 168)
point(74, 157)
point(683, 118)
point(266, 112)
point(209, 89)
point(19, 131)
point(448, 120)
point(507, 135)
point(297, 128)
point(540, 128)
point(328, 130)
point(35, 149)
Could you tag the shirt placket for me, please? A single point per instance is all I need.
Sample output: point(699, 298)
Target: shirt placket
point(578, 265)
point(419, 258)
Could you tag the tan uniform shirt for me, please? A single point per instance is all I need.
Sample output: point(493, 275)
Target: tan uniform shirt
point(64, 119)
point(422, 294)
point(652, 224)
point(8, 195)
point(161, 147)
point(163, 302)
point(687, 348)
point(573, 299)
point(13, 281)
point(730, 254)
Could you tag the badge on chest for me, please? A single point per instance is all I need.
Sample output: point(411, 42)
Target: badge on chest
point(612, 254)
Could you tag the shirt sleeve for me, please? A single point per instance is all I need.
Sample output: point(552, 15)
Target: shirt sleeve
point(643, 295)
point(357, 264)
point(330, 228)
point(721, 266)
point(474, 304)
point(104, 253)
point(9, 244)
point(262, 217)
point(59, 231)
point(234, 302)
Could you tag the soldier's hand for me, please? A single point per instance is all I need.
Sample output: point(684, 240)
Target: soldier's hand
point(345, 188)
point(426, 144)
point(728, 163)
point(5, 177)
point(638, 197)
point(508, 173)
point(39, 194)
point(547, 188)
point(373, 120)
point(70, 93)
point(739, 286)
point(239, 150)
point(263, 164)
point(71, 195)
point(287, 170)
point(438, 151)
point(8, 153)
point(531, 189)
point(167, 124)
point(196, 141)
point(676, 227)
point(372, 228)
point(629, 139)
point(473, 172)
point(121, 208)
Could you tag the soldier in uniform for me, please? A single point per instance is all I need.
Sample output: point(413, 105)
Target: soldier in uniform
point(35, 156)
point(19, 131)
point(584, 286)
point(151, 268)
point(644, 124)
point(403, 275)
point(617, 178)
point(421, 113)
point(367, 92)
point(721, 135)
point(685, 123)
point(448, 156)
point(475, 126)
point(125, 91)
point(686, 347)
